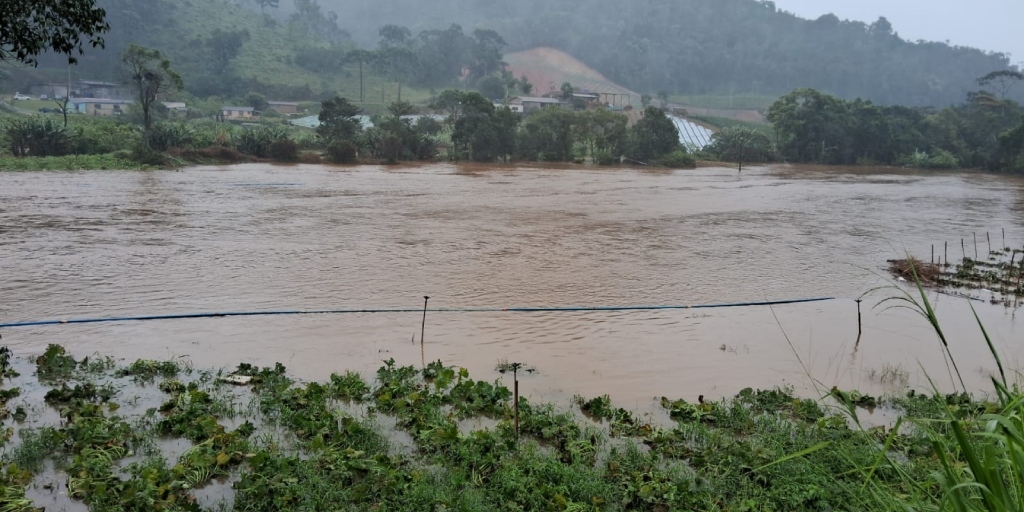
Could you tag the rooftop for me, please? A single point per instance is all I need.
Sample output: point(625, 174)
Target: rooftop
point(97, 84)
point(99, 100)
point(285, 103)
point(537, 99)
point(239, 109)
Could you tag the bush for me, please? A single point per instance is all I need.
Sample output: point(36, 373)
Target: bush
point(678, 159)
point(605, 157)
point(257, 141)
point(102, 137)
point(284, 150)
point(147, 156)
point(36, 136)
point(164, 136)
point(428, 125)
point(342, 152)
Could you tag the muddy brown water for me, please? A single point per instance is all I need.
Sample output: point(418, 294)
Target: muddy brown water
point(261, 237)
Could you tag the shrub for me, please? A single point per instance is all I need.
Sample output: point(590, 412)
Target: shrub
point(37, 136)
point(257, 141)
point(284, 150)
point(428, 125)
point(605, 157)
point(164, 136)
point(147, 156)
point(101, 137)
point(678, 159)
point(342, 152)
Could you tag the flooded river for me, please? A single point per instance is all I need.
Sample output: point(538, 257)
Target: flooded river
point(261, 237)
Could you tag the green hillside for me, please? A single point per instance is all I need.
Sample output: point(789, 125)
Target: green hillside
point(265, 62)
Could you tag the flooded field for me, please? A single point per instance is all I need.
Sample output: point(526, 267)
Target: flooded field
point(260, 237)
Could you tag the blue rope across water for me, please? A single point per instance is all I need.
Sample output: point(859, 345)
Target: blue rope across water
point(403, 310)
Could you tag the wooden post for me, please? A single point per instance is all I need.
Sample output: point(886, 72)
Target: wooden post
point(515, 385)
point(515, 396)
point(1004, 239)
point(860, 326)
point(946, 252)
point(975, 246)
point(933, 254)
point(423, 331)
point(989, 239)
point(963, 248)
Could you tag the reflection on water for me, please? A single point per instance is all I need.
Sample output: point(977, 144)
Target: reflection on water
point(264, 237)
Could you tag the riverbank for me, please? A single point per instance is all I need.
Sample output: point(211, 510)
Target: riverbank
point(165, 435)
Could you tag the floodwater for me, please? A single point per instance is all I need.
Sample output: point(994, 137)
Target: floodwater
point(262, 237)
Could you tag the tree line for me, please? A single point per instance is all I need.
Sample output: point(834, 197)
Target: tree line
point(480, 131)
point(985, 131)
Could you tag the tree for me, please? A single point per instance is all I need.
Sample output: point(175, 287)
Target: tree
point(741, 144)
point(645, 100)
point(31, 27)
point(257, 101)
point(1002, 81)
point(402, 108)
point(449, 102)
point(548, 135)
point(567, 91)
point(487, 52)
point(338, 120)
point(525, 86)
point(1011, 149)
point(491, 87)
point(151, 76)
point(392, 36)
point(663, 99)
point(652, 137)
point(482, 133)
point(224, 47)
point(603, 132)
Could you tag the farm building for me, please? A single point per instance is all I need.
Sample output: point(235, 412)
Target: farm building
point(176, 108)
point(238, 112)
point(104, 90)
point(102, 107)
point(284, 107)
point(532, 103)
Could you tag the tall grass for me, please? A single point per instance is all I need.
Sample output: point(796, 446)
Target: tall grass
point(979, 446)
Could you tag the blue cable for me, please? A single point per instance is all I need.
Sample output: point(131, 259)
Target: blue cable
point(403, 310)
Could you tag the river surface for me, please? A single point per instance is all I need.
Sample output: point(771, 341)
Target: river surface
point(263, 237)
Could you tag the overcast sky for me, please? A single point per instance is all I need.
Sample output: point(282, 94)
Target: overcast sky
point(994, 25)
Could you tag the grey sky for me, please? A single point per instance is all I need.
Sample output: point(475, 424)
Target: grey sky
point(987, 24)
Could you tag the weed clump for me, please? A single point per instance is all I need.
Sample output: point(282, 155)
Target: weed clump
point(55, 364)
point(144, 370)
point(907, 268)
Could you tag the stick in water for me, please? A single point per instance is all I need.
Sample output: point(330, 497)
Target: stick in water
point(423, 330)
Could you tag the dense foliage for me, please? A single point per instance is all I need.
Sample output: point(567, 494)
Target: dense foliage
point(405, 442)
point(29, 28)
point(979, 133)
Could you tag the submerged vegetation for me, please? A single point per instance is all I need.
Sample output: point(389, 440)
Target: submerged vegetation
point(401, 442)
point(1001, 275)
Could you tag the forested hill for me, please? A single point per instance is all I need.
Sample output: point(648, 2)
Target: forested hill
point(703, 46)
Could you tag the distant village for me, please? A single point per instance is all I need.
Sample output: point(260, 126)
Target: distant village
point(104, 99)
point(97, 98)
